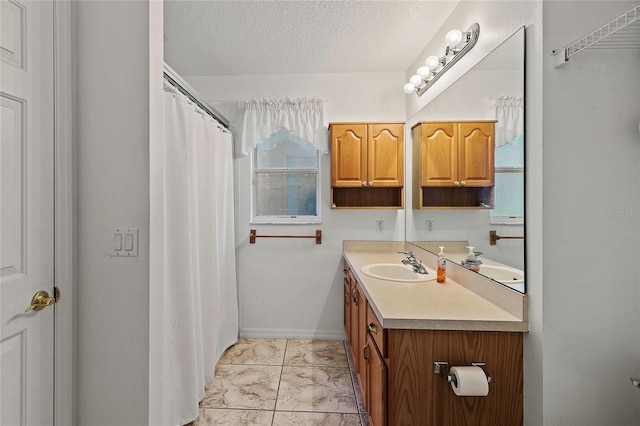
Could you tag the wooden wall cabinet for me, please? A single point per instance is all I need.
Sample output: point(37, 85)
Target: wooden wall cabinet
point(399, 386)
point(453, 164)
point(367, 165)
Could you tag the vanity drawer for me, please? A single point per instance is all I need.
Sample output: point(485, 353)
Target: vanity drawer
point(376, 331)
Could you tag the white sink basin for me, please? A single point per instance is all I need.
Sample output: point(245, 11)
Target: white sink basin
point(503, 274)
point(396, 272)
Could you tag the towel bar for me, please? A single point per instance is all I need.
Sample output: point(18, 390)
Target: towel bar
point(253, 236)
point(494, 237)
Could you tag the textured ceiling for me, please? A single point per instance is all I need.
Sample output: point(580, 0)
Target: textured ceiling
point(291, 37)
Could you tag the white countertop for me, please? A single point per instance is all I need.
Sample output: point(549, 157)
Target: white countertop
point(431, 305)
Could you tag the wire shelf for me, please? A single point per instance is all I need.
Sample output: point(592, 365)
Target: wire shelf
point(621, 33)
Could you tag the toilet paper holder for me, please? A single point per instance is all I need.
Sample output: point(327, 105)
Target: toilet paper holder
point(441, 367)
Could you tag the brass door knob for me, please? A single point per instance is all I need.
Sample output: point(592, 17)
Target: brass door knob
point(40, 301)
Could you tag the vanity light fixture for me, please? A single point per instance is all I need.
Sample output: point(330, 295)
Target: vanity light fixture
point(458, 44)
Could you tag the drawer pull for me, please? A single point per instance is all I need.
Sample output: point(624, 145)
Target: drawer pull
point(372, 328)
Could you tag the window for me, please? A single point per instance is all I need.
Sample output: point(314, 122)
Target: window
point(286, 180)
point(509, 184)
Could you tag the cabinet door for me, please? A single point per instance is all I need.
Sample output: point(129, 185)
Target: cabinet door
point(353, 340)
point(377, 386)
point(347, 307)
point(348, 155)
point(362, 342)
point(385, 160)
point(439, 154)
point(475, 154)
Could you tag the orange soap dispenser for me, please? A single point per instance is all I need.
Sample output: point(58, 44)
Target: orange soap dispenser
point(442, 266)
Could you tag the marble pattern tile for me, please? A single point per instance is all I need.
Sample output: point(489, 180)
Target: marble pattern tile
point(243, 386)
point(286, 418)
point(221, 417)
point(316, 389)
point(284, 382)
point(316, 353)
point(255, 351)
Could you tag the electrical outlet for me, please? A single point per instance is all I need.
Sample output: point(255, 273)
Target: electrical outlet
point(379, 226)
point(429, 226)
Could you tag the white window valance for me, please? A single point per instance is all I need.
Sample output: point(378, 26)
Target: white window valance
point(510, 116)
point(302, 117)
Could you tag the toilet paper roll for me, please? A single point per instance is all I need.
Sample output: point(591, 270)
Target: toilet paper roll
point(469, 381)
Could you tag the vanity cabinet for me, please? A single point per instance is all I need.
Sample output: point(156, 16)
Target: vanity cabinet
point(367, 165)
point(418, 396)
point(398, 383)
point(453, 164)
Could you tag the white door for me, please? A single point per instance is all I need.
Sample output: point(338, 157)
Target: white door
point(26, 216)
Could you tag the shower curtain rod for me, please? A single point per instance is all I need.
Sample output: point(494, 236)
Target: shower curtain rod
point(184, 87)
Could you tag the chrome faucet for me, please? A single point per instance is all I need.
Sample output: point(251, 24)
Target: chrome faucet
point(472, 262)
point(413, 262)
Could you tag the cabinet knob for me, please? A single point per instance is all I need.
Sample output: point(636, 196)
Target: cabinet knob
point(456, 183)
point(364, 183)
point(462, 183)
point(373, 329)
point(370, 183)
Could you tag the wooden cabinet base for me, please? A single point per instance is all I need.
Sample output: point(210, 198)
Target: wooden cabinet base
point(460, 198)
point(417, 396)
point(367, 198)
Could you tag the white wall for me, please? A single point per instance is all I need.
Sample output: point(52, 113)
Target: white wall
point(293, 288)
point(591, 223)
point(111, 145)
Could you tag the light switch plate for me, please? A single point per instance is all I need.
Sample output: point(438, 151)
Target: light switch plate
point(124, 242)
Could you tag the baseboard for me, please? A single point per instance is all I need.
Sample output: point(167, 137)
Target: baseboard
point(278, 333)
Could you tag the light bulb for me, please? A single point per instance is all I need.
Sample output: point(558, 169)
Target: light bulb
point(416, 80)
point(453, 37)
point(432, 62)
point(423, 71)
point(409, 88)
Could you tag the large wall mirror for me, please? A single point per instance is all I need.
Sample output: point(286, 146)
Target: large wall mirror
point(492, 90)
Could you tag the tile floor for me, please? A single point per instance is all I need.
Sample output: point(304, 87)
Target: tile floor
point(283, 382)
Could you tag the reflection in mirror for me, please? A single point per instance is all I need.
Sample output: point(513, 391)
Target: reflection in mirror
point(492, 90)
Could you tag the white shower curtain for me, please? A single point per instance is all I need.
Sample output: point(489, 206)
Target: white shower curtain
point(192, 256)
